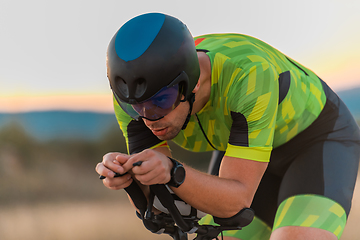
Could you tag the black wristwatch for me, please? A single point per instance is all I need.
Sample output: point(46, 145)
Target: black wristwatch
point(177, 174)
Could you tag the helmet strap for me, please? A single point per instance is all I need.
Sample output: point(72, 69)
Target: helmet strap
point(191, 100)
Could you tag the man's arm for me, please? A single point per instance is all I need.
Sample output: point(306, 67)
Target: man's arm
point(226, 195)
point(222, 196)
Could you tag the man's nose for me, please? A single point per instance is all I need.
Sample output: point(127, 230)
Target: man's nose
point(148, 110)
point(149, 123)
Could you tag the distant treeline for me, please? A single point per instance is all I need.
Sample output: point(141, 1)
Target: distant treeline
point(33, 171)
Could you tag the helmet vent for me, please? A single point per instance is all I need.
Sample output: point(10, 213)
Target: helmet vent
point(140, 87)
point(122, 87)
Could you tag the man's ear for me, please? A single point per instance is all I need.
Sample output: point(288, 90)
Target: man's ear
point(197, 86)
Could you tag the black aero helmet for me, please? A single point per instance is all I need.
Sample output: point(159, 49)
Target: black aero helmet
point(148, 53)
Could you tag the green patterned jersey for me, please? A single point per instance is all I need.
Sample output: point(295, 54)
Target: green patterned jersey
point(260, 99)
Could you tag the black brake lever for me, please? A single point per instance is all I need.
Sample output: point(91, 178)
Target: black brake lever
point(101, 177)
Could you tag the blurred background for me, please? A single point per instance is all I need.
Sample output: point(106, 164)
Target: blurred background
point(56, 118)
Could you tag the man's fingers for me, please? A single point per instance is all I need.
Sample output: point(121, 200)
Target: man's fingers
point(110, 162)
point(144, 156)
point(109, 167)
point(104, 171)
point(149, 175)
point(122, 158)
point(118, 183)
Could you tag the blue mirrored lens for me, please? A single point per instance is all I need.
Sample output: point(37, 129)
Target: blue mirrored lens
point(159, 105)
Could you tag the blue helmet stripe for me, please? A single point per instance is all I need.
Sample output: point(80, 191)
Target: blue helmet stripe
point(135, 37)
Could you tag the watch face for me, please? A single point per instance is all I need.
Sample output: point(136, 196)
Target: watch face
point(179, 175)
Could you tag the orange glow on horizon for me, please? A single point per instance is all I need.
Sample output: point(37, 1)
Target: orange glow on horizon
point(93, 103)
point(341, 79)
point(337, 79)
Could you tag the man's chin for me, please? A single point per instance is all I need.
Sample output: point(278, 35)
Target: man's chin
point(168, 135)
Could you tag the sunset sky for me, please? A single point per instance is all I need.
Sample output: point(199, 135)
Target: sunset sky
point(52, 53)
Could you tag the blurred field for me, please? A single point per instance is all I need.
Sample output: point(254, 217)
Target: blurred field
point(73, 221)
point(50, 191)
point(109, 220)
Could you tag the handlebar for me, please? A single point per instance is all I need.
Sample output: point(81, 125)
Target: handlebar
point(176, 225)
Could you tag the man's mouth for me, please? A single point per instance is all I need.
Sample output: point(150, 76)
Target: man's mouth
point(159, 132)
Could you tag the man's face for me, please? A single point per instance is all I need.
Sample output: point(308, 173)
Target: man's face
point(169, 126)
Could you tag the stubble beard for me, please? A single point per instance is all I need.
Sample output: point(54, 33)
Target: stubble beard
point(173, 129)
point(171, 134)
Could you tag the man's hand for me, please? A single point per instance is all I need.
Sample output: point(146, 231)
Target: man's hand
point(155, 167)
point(113, 163)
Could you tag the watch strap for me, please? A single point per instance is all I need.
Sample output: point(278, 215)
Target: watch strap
point(173, 182)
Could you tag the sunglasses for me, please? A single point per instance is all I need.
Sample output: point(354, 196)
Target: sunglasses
point(160, 104)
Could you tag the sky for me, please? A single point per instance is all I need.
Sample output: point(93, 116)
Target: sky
point(52, 53)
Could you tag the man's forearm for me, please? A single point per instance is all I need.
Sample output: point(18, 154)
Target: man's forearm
point(214, 195)
point(226, 195)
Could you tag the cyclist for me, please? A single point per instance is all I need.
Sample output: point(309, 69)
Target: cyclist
point(291, 147)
